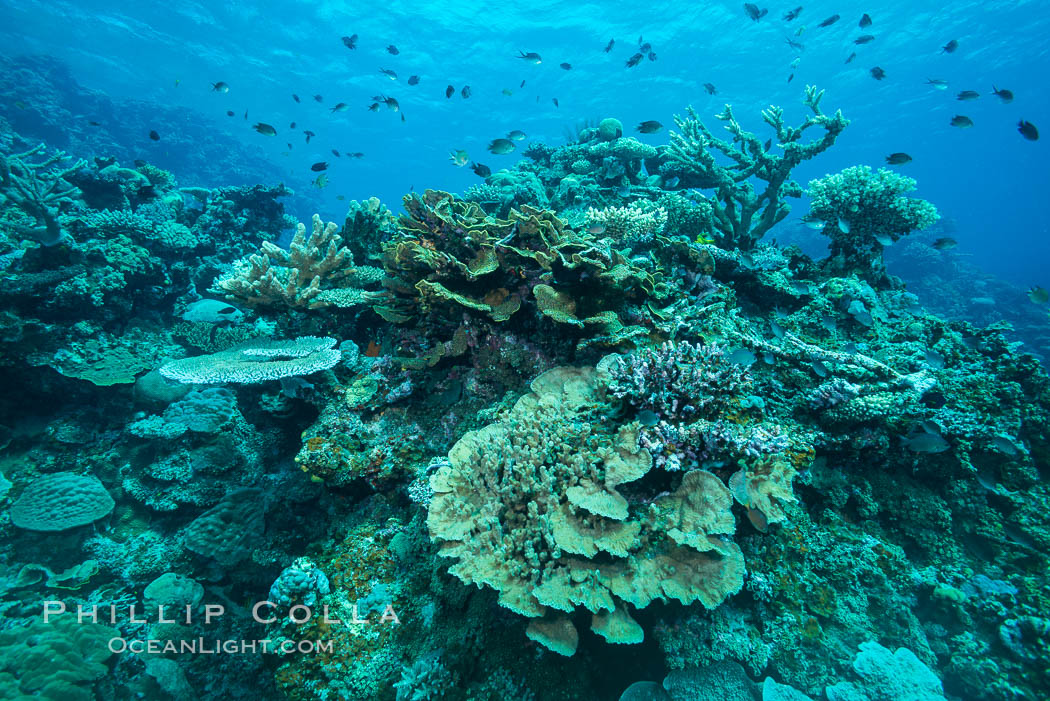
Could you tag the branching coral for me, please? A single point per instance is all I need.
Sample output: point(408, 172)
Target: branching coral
point(39, 189)
point(676, 380)
point(530, 506)
point(316, 271)
point(742, 215)
point(629, 225)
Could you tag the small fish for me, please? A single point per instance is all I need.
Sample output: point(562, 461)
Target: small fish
point(813, 222)
point(318, 98)
point(968, 95)
point(220, 87)
point(459, 158)
point(899, 158)
point(309, 134)
point(508, 92)
point(647, 417)
point(624, 191)
point(177, 81)
point(926, 442)
point(792, 15)
point(710, 88)
point(797, 46)
point(481, 170)
point(1005, 445)
point(289, 146)
point(516, 135)
point(413, 80)
point(319, 166)
point(245, 114)
point(374, 107)
point(934, 359)
point(829, 21)
point(961, 121)
point(776, 329)
point(791, 77)
point(937, 83)
point(555, 101)
point(295, 97)
point(350, 42)
point(644, 46)
point(950, 47)
point(864, 39)
point(596, 229)
point(877, 73)
point(531, 57)
point(609, 46)
point(820, 368)
point(843, 225)
point(945, 244)
point(356, 154)
point(388, 73)
point(1005, 95)
point(154, 135)
point(849, 59)
point(501, 146)
point(321, 181)
point(335, 153)
point(1028, 130)
point(801, 287)
point(229, 113)
point(634, 60)
point(1038, 295)
point(392, 50)
point(266, 129)
point(465, 92)
point(753, 12)
point(650, 126)
point(651, 56)
point(884, 239)
point(341, 107)
point(671, 182)
point(865, 21)
point(391, 103)
point(742, 356)
point(292, 125)
point(565, 66)
point(450, 91)
point(522, 83)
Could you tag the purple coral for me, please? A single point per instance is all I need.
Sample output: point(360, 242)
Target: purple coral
point(702, 443)
point(678, 381)
point(832, 393)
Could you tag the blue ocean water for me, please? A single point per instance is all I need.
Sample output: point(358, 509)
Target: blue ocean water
point(987, 180)
point(538, 422)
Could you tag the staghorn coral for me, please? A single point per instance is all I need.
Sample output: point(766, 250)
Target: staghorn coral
point(39, 189)
point(742, 214)
point(316, 271)
point(526, 505)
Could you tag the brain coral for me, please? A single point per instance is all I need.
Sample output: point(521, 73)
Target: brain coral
point(61, 501)
point(530, 506)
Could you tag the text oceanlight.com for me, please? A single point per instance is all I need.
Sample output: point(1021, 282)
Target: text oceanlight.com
point(202, 646)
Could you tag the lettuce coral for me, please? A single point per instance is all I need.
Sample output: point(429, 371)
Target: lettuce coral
point(531, 507)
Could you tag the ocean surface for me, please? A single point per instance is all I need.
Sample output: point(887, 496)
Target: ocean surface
point(404, 351)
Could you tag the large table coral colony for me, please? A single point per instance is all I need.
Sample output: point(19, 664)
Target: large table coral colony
point(586, 387)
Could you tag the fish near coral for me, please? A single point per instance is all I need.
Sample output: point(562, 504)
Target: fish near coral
point(501, 146)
